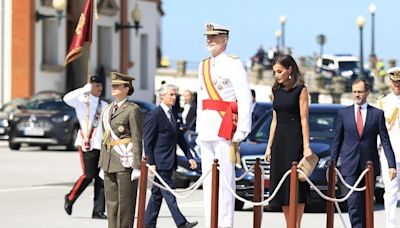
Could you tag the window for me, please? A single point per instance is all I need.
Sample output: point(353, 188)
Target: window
point(143, 61)
point(50, 42)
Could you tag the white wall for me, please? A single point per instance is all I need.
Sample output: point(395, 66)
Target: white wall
point(150, 21)
point(5, 51)
point(49, 79)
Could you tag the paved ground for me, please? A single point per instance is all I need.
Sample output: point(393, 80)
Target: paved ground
point(33, 184)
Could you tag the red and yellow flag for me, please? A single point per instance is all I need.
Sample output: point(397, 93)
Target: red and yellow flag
point(83, 33)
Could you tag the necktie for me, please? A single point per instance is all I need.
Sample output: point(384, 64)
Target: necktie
point(171, 118)
point(360, 125)
point(115, 107)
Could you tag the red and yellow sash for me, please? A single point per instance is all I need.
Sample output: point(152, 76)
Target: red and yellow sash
point(227, 110)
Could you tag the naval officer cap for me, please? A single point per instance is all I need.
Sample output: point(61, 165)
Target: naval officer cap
point(119, 78)
point(215, 29)
point(394, 73)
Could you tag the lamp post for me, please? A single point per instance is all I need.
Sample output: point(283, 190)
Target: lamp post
point(361, 22)
point(321, 40)
point(59, 6)
point(136, 16)
point(372, 10)
point(282, 20)
point(278, 35)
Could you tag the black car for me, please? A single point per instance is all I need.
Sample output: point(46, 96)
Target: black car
point(184, 175)
point(5, 111)
point(322, 125)
point(45, 120)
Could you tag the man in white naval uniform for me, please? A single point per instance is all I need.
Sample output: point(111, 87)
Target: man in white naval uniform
point(223, 117)
point(390, 104)
point(88, 143)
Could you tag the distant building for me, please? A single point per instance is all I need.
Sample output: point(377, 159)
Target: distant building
point(32, 52)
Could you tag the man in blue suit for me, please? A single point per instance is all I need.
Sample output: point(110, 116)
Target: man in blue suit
point(161, 134)
point(357, 129)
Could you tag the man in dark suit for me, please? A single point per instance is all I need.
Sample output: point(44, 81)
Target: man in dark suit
point(189, 111)
point(355, 141)
point(161, 134)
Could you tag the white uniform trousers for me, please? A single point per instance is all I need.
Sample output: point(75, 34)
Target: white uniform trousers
point(391, 190)
point(220, 150)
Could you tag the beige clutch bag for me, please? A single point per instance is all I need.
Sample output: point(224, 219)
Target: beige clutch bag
point(307, 165)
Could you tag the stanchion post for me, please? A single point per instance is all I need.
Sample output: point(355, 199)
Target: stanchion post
point(293, 195)
point(142, 193)
point(214, 194)
point(330, 206)
point(369, 195)
point(257, 211)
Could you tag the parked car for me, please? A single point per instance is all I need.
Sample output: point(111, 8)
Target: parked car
point(345, 65)
point(44, 120)
point(5, 111)
point(322, 124)
point(184, 175)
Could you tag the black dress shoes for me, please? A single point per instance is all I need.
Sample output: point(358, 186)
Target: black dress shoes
point(99, 215)
point(67, 205)
point(188, 224)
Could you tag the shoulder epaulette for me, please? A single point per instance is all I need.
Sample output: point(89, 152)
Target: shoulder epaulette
point(234, 56)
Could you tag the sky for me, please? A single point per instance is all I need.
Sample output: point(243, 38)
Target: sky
point(253, 23)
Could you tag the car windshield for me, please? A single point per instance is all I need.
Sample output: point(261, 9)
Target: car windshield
point(56, 104)
point(322, 126)
point(348, 65)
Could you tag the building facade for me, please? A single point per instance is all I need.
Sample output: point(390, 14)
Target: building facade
point(35, 38)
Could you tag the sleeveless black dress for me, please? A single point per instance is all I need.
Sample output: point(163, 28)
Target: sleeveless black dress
point(287, 145)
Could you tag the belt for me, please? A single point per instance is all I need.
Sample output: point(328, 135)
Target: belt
point(228, 111)
point(120, 141)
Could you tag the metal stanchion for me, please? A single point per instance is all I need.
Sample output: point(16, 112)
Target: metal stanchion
point(293, 195)
point(214, 194)
point(142, 193)
point(330, 206)
point(369, 195)
point(257, 210)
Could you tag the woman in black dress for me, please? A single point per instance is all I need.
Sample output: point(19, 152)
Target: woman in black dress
point(289, 133)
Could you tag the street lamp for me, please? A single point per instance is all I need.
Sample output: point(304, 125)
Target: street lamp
point(282, 20)
point(278, 35)
point(136, 16)
point(372, 10)
point(321, 40)
point(361, 22)
point(59, 6)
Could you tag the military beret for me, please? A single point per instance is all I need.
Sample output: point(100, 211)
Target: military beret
point(215, 29)
point(394, 73)
point(97, 78)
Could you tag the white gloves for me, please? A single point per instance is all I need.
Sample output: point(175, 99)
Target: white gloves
point(101, 174)
point(135, 174)
point(239, 136)
point(88, 87)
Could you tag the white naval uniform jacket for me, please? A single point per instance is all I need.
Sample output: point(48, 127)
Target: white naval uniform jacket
point(77, 99)
point(389, 103)
point(230, 80)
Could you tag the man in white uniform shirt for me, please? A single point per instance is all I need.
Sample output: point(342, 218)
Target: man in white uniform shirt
point(223, 117)
point(88, 142)
point(390, 104)
point(189, 111)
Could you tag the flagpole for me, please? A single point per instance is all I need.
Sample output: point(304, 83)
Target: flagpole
point(88, 98)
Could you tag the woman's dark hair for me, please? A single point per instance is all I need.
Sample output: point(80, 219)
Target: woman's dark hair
point(131, 89)
point(287, 61)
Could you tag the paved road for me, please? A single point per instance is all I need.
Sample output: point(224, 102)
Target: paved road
point(33, 184)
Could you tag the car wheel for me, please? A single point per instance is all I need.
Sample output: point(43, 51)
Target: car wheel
point(71, 144)
point(14, 146)
point(239, 205)
point(180, 182)
point(43, 147)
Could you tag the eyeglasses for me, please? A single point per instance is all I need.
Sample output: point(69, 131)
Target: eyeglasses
point(358, 92)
